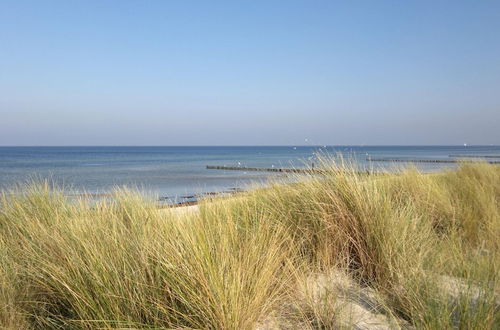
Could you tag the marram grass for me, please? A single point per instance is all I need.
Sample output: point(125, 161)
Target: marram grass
point(427, 246)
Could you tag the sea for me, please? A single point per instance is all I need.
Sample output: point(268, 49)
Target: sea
point(180, 173)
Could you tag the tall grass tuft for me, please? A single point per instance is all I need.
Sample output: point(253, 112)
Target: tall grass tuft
point(123, 263)
point(423, 247)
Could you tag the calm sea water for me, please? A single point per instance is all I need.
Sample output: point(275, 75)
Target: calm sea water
point(176, 171)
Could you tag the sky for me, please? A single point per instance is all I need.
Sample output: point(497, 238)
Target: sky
point(249, 72)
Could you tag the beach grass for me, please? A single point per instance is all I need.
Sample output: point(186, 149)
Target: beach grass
point(336, 250)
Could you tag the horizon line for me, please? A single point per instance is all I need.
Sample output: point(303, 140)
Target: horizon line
point(257, 145)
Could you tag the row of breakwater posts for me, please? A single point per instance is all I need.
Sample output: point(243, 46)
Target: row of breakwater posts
point(193, 199)
point(266, 169)
point(370, 159)
point(284, 170)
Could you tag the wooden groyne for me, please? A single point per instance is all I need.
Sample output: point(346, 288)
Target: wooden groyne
point(474, 156)
point(186, 200)
point(265, 169)
point(451, 161)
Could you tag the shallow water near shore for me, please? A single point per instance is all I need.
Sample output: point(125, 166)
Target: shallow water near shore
point(176, 172)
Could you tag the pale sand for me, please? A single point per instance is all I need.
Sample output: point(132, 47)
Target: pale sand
point(181, 210)
point(355, 306)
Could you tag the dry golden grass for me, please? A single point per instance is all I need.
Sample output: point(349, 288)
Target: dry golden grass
point(426, 245)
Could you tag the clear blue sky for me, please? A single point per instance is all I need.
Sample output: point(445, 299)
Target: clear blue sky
point(249, 72)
